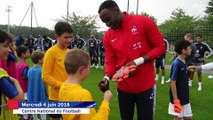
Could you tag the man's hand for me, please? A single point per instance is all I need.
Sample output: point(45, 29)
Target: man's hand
point(177, 106)
point(104, 85)
point(124, 72)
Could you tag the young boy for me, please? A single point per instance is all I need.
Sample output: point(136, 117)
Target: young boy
point(36, 87)
point(77, 65)
point(179, 105)
point(23, 53)
point(53, 73)
point(9, 87)
point(10, 64)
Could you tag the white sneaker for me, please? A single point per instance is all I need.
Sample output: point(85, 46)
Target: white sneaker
point(96, 67)
point(168, 81)
point(92, 66)
point(102, 67)
point(199, 88)
point(156, 78)
point(210, 76)
point(190, 83)
point(162, 81)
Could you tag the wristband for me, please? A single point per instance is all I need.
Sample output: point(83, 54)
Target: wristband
point(106, 77)
point(139, 61)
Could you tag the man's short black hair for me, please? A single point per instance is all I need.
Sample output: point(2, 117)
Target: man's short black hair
point(199, 36)
point(62, 27)
point(180, 45)
point(109, 4)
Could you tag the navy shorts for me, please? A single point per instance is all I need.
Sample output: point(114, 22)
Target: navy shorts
point(160, 62)
point(144, 102)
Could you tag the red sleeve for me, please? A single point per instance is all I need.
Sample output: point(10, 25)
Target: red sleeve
point(155, 38)
point(110, 59)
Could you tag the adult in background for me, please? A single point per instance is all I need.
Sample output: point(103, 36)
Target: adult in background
point(190, 58)
point(102, 53)
point(131, 40)
point(30, 43)
point(47, 43)
point(200, 58)
point(78, 42)
point(98, 50)
point(93, 50)
point(160, 62)
point(19, 40)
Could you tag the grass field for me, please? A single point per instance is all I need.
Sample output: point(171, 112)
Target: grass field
point(202, 102)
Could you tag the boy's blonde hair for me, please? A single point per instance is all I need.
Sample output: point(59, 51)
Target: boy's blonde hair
point(36, 56)
point(74, 59)
point(189, 35)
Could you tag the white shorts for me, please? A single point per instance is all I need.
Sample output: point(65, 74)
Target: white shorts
point(186, 112)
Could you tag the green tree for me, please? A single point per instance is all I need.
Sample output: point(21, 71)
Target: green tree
point(146, 14)
point(83, 25)
point(26, 31)
point(178, 13)
point(209, 8)
point(177, 26)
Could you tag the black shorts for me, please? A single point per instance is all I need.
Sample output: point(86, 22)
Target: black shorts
point(93, 53)
point(160, 62)
point(144, 102)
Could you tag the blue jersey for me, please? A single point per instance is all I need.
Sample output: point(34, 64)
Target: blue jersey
point(189, 59)
point(201, 48)
point(180, 75)
point(36, 87)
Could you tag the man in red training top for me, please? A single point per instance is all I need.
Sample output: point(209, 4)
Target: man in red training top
point(131, 40)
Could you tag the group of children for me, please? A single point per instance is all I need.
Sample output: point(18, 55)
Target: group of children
point(64, 71)
point(58, 72)
point(29, 79)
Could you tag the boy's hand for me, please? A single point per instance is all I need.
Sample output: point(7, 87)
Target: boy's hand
point(108, 95)
point(192, 68)
point(177, 106)
point(104, 85)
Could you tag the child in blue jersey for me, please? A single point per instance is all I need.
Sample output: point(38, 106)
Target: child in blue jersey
point(36, 86)
point(179, 105)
